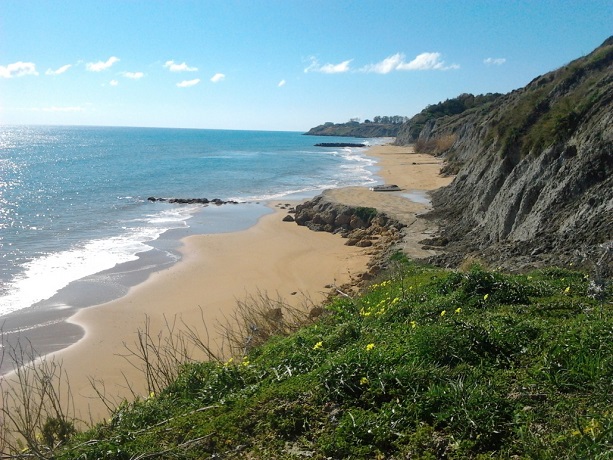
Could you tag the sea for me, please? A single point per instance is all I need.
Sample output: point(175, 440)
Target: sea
point(76, 225)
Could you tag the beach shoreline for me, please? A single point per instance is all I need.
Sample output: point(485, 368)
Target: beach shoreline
point(274, 257)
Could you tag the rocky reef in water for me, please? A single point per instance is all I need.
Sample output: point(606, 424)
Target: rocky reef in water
point(203, 201)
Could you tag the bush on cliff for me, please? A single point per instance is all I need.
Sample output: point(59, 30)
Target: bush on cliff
point(426, 363)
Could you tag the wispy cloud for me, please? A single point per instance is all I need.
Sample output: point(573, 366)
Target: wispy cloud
point(58, 109)
point(315, 66)
point(423, 61)
point(494, 61)
point(188, 83)
point(386, 65)
point(133, 75)
point(18, 69)
point(427, 61)
point(218, 77)
point(101, 65)
point(183, 67)
point(113, 83)
point(59, 71)
point(281, 83)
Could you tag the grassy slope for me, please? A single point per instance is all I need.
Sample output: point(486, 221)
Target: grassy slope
point(427, 364)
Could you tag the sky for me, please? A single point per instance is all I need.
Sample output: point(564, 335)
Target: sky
point(278, 65)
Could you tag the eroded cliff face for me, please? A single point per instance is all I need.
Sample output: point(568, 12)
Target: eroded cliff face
point(534, 168)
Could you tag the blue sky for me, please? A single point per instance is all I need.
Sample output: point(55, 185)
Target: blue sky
point(274, 65)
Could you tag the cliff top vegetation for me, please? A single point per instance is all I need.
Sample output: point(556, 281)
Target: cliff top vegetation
point(379, 126)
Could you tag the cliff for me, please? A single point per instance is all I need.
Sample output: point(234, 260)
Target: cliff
point(534, 182)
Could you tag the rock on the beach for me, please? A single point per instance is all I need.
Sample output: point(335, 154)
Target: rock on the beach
point(362, 227)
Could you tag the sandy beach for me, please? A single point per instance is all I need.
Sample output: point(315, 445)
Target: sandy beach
point(276, 257)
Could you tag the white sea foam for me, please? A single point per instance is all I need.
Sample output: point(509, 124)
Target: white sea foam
point(286, 193)
point(173, 216)
point(46, 275)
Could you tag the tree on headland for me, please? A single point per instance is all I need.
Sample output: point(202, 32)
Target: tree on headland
point(379, 126)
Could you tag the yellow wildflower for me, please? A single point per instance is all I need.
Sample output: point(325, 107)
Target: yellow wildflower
point(485, 296)
point(370, 346)
point(363, 381)
point(458, 310)
point(318, 345)
point(567, 290)
point(444, 312)
point(413, 324)
point(591, 429)
point(228, 362)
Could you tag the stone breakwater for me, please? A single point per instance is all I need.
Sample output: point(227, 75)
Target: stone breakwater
point(361, 226)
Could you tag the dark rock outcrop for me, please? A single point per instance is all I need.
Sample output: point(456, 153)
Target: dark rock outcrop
point(205, 201)
point(339, 144)
point(361, 226)
point(534, 182)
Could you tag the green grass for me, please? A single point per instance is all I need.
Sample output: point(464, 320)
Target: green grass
point(550, 111)
point(425, 364)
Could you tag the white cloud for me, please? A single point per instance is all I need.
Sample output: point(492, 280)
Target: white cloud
point(188, 83)
point(101, 65)
point(328, 68)
point(494, 61)
point(113, 83)
point(386, 65)
point(281, 83)
point(427, 61)
point(59, 71)
point(183, 67)
point(133, 75)
point(423, 61)
point(218, 77)
point(18, 69)
point(58, 109)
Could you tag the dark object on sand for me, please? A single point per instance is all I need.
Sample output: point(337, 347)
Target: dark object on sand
point(385, 188)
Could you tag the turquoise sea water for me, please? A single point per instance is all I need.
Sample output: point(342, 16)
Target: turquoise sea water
point(74, 208)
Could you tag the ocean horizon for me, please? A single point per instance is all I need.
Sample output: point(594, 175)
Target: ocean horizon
point(77, 228)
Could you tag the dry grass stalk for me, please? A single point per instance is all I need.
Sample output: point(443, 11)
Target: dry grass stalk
point(260, 317)
point(160, 356)
point(36, 408)
point(435, 146)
